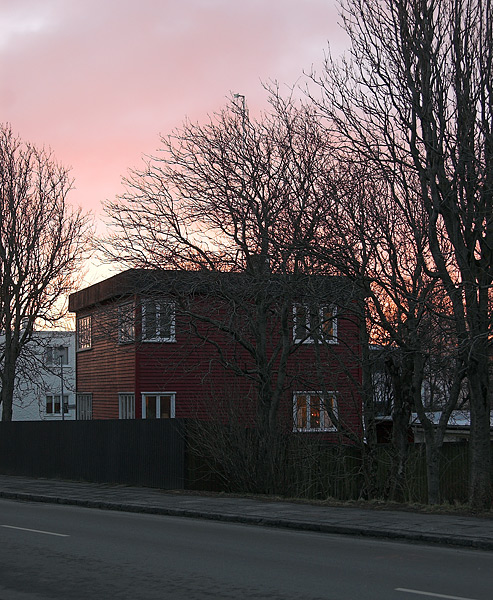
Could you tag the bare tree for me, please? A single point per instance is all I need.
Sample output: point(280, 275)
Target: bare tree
point(370, 237)
point(235, 202)
point(415, 100)
point(41, 245)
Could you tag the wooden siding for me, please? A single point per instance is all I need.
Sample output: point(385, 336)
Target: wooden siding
point(107, 368)
point(190, 368)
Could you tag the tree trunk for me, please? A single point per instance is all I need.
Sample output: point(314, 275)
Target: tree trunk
point(402, 381)
point(370, 459)
point(401, 447)
point(480, 443)
point(7, 393)
point(432, 468)
point(7, 401)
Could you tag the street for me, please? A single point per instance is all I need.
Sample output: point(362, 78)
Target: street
point(55, 551)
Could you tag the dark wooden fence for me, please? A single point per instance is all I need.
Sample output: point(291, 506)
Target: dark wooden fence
point(156, 453)
point(136, 452)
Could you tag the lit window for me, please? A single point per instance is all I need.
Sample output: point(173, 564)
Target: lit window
point(158, 321)
point(84, 333)
point(314, 323)
point(314, 411)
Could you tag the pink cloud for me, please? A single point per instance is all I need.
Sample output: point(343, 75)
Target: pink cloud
point(99, 80)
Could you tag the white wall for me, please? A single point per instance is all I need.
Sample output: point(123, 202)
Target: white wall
point(37, 380)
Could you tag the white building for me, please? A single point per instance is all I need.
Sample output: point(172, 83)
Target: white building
point(458, 427)
point(45, 369)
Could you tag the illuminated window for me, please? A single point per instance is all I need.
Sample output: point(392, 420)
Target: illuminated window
point(314, 411)
point(158, 321)
point(314, 323)
point(84, 333)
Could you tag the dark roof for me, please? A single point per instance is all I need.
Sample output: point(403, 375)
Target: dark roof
point(126, 283)
point(225, 284)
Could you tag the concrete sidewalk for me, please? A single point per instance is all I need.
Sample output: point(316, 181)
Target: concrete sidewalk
point(465, 531)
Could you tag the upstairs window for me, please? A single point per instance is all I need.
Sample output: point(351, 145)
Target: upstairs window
point(84, 325)
point(314, 323)
point(314, 411)
point(53, 354)
point(158, 321)
point(126, 323)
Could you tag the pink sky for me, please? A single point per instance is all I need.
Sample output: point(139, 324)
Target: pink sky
point(99, 80)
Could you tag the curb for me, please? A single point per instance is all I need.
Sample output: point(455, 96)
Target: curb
point(370, 532)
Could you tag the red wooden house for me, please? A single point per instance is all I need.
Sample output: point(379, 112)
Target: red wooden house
point(166, 344)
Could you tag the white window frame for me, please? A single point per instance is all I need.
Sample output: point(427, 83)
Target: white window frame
point(84, 333)
point(56, 413)
point(159, 304)
point(159, 395)
point(84, 407)
point(126, 323)
point(311, 329)
point(326, 423)
point(126, 406)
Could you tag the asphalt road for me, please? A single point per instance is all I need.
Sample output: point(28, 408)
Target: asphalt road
point(62, 552)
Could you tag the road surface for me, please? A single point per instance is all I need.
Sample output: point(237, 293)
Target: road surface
point(71, 553)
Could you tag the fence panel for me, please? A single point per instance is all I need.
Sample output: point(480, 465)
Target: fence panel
point(136, 452)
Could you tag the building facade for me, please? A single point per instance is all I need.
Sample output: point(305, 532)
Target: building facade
point(45, 374)
point(172, 344)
